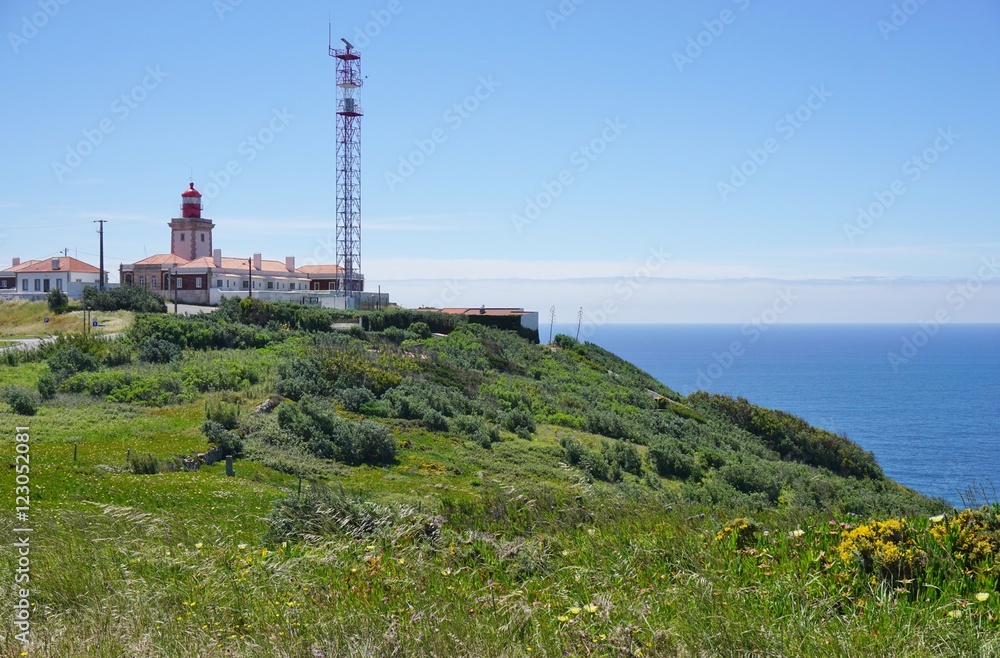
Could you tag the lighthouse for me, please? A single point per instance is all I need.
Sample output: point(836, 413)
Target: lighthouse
point(191, 234)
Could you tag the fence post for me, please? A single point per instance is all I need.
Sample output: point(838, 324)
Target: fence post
point(229, 466)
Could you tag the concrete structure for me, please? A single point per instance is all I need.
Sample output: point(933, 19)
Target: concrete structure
point(194, 272)
point(499, 317)
point(35, 278)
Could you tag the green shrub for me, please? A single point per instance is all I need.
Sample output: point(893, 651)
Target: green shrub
point(373, 443)
point(519, 419)
point(47, 385)
point(573, 449)
point(376, 408)
point(152, 391)
point(117, 354)
point(57, 300)
point(624, 455)
point(217, 435)
point(753, 477)
point(420, 330)
point(157, 350)
point(124, 298)
point(71, 360)
point(354, 398)
point(327, 435)
point(146, 464)
point(224, 413)
point(22, 401)
point(671, 460)
point(435, 420)
point(300, 377)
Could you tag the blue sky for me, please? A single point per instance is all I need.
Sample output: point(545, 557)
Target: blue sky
point(629, 121)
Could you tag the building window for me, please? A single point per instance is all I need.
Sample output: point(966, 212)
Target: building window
point(218, 284)
point(202, 237)
point(154, 281)
point(58, 284)
point(246, 284)
point(197, 282)
point(182, 237)
point(142, 280)
point(270, 285)
point(179, 282)
point(128, 279)
point(38, 285)
point(24, 285)
point(3, 284)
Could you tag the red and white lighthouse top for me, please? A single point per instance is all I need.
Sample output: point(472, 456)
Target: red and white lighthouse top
point(191, 203)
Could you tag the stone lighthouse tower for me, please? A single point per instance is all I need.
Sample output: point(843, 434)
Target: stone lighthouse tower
point(191, 234)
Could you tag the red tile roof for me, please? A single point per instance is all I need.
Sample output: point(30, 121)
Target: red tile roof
point(66, 264)
point(241, 264)
point(321, 269)
point(14, 269)
point(162, 259)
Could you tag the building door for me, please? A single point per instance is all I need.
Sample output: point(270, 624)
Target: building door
point(45, 285)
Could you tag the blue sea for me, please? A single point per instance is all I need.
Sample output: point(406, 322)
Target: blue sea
point(927, 405)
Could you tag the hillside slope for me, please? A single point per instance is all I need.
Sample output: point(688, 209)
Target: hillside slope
point(469, 493)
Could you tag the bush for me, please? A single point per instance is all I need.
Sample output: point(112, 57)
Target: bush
point(373, 443)
point(420, 329)
point(671, 460)
point(47, 385)
point(217, 435)
point(71, 360)
point(624, 455)
point(327, 435)
point(395, 334)
point(519, 419)
point(58, 301)
point(146, 464)
point(574, 450)
point(22, 401)
point(354, 398)
point(124, 298)
point(300, 377)
point(435, 420)
point(226, 414)
point(156, 350)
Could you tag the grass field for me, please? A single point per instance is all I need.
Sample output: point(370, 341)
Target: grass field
point(27, 320)
point(455, 549)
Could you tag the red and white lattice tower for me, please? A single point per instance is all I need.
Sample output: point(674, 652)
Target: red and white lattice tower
point(349, 115)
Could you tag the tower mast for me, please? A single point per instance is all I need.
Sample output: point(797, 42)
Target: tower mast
point(349, 113)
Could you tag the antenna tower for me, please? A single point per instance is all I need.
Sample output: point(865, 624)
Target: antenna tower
point(349, 113)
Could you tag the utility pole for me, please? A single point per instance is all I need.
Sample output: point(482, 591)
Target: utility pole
point(101, 231)
point(250, 277)
point(552, 321)
point(579, 321)
point(173, 280)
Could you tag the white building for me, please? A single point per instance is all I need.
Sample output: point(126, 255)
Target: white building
point(35, 278)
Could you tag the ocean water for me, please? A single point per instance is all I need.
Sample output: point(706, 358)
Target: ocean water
point(931, 414)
